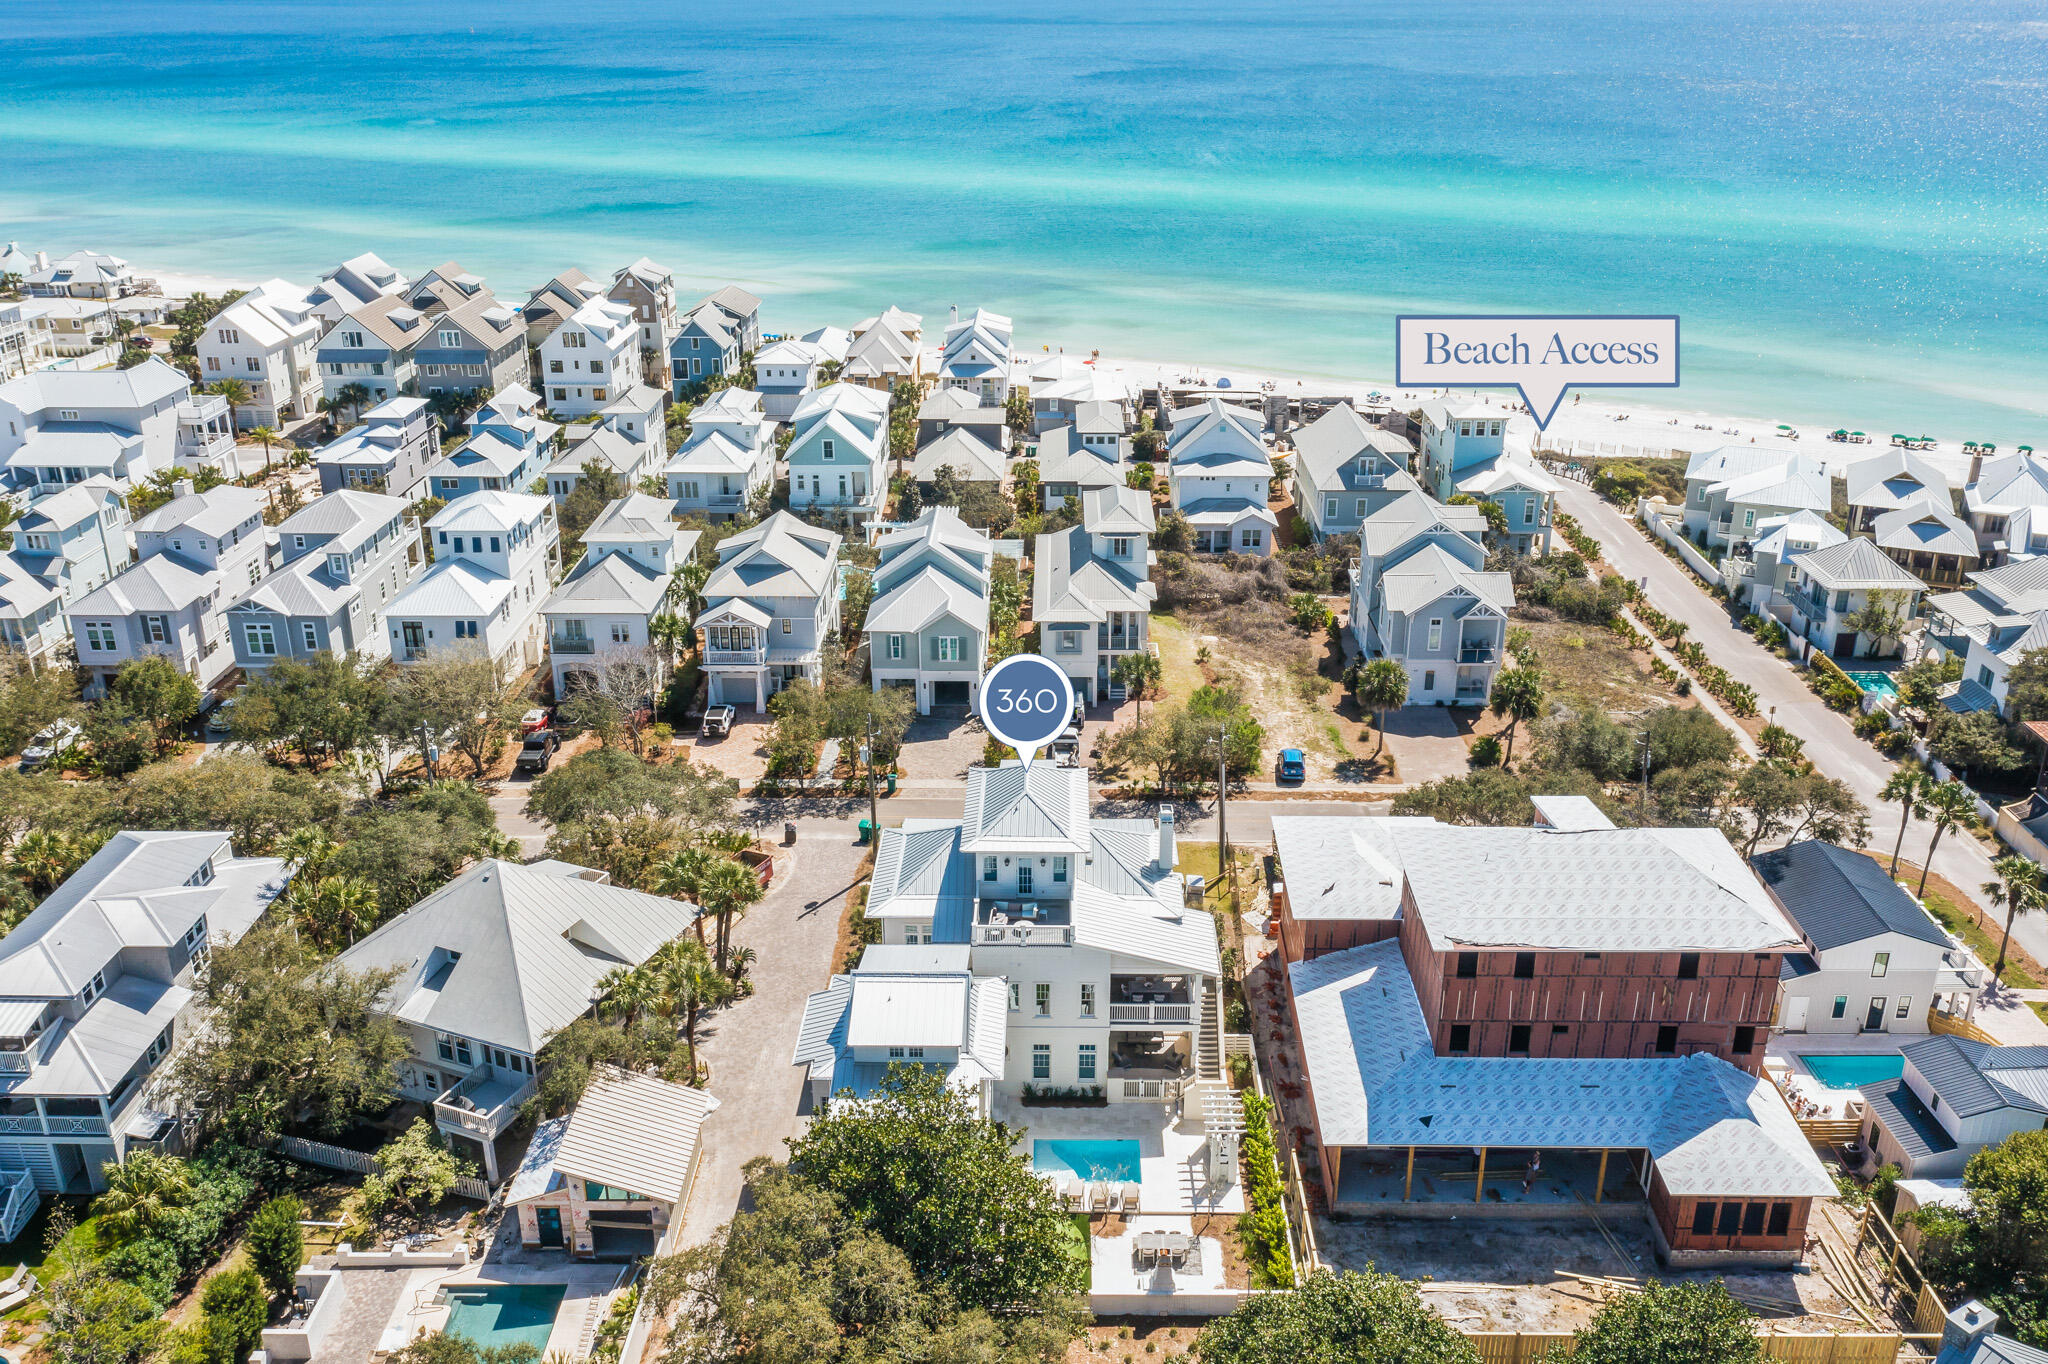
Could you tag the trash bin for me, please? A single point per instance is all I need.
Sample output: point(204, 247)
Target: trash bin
point(890, 789)
point(867, 830)
point(789, 833)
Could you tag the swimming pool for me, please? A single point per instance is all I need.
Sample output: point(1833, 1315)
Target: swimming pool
point(505, 1313)
point(1854, 1072)
point(1876, 683)
point(1117, 1160)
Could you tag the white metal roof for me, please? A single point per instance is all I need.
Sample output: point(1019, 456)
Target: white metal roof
point(635, 1132)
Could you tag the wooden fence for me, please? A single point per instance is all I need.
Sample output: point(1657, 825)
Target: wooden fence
point(1510, 1347)
point(358, 1162)
point(1957, 1027)
point(1830, 1131)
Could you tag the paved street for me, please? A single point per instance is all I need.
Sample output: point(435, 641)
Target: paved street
point(1782, 695)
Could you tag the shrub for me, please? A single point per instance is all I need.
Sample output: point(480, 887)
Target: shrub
point(277, 1245)
point(1485, 751)
point(1263, 1228)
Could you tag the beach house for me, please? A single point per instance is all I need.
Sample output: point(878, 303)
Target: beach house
point(96, 991)
point(1346, 468)
point(1928, 539)
point(1956, 1097)
point(1526, 494)
point(650, 291)
point(886, 350)
point(508, 446)
point(478, 344)
point(555, 302)
point(1112, 983)
point(1066, 390)
point(704, 349)
point(976, 356)
point(194, 554)
point(491, 966)
point(1073, 465)
point(1454, 436)
point(1421, 595)
point(2006, 501)
point(355, 282)
point(372, 348)
point(1759, 572)
point(769, 607)
point(609, 599)
point(742, 313)
point(345, 557)
point(837, 451)
point(1219, 474)
point(496, 554)
point(1991, 625)
point(1888, 482)
point(1830, 586)
point(729, 457)
point(447, 286)
point(906, 1005)
point(1091, 589)
point(961, 409)
point(1731, 488)
point(784, 371)
point(610, 1179)
point(65, 545)
point(1492, 1019)
point(59, 427)
point(1874, 960)
point(965, 453)
point(927, 624)
point(590, 358)
point(269, 338)
point(82, 274)
point(388, 451)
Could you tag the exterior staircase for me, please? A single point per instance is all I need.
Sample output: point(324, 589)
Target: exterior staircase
point(1209, 1035)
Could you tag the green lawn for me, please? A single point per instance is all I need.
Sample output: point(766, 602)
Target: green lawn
point(1983, 944)
point(1076, 1242)
point(1199, 859)
point(81, 1245)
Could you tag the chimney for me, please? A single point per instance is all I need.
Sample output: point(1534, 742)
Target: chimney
point(42, 260)
point(1976, 467)
point(183, 488)
point(1967, 1325)
point(1168, 854)
point(953, 314)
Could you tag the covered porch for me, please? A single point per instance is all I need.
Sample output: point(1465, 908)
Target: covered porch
point(480, 1107)
point(1451, 1180)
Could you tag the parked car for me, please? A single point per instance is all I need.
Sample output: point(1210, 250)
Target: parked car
point(718, 720)
point(1292, 766)
point(221, 719)
point(51, 743)
point(535, 719)
point(537, 751)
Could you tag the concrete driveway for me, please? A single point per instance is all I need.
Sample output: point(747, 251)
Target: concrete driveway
point(1783, 697)
point(1426, 744)
point(748, 1045)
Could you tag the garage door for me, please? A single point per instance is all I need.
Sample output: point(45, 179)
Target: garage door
point(949, 694)
point(621, 1243)
point(727, 690)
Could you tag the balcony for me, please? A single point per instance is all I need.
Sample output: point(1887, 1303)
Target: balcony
point(735, 658)
point(725, 501)
point(1148, 1000)
point(1476, 651)
point(483, 1103)
point(565, 644)
point(1126, 640)
point(1024, 923)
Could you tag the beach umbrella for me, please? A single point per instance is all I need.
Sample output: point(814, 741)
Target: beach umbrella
point(1897, 436)
point(2026, 449)
point(1838, 431)
point(1855, 433)
point(1783, 427)
point(1988, 448)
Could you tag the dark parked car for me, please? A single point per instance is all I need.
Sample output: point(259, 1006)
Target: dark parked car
point(537, 751)
point(1292, 768)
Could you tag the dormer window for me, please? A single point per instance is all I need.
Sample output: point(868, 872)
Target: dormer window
point(337, 564)
point(195, 936)
point(203, 876)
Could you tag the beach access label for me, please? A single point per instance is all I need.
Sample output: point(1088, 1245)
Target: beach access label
point(1026, 700)
point(1541, 354)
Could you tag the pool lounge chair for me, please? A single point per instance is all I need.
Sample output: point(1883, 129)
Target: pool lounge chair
point(1127, 1195)
point(1113, 1196)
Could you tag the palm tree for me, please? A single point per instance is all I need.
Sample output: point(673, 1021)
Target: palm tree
point(353, 396)
point(236, 393)
point(724, 890)
point(42, 859)
point(311, 849)
point(687, 983)
point(627, 992)
point(341, 904)
point(677, 876)
point(687, 582)
point(1517, 694)
point(269, 436)
point(2019, 884)
point(1383, 686)
point(140, 1192)
point(1137, 674)
point(332, 408)
point(1906, 787)
point(1948, 804)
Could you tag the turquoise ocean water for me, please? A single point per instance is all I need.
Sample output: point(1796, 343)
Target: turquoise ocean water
point(1844, 201)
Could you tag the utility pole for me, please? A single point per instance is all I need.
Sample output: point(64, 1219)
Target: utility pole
point(1222, 792)
point(867, 757)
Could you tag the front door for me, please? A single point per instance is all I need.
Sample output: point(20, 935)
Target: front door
point(415, 634)
point(1795, 1014)
point(1845, 644)
point(550, 1220)
point(1874, 1022)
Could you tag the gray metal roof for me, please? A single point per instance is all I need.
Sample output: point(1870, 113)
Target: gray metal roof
point(1854, 564)
point(634, 1132)
point(1918, 1132)
point(1975, 1077)
point(1837, 896)
point(94, 1054)
point(162, 582)
point(1072, 584)
point(1926, 525)
point(1327, 449)
point(510, 955)
point(1712, 1130)
point(1012, 808)
point(1431, 573)
point(614, 584)
point(1340, 867)
point(1893, 478)
point(1118, 510)
point(1614, 890)
point(781, 557)
point(965, 453)
point(919, 873)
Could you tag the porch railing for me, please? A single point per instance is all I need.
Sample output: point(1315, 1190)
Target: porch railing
point(1151, 1013)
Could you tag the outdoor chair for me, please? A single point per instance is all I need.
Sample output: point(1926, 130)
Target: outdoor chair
point(1127, 1196)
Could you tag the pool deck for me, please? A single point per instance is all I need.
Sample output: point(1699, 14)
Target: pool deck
point(1173, 1157)
point(588, 1296)
point(1834, 1103)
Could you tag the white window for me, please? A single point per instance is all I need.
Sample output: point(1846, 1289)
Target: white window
point(825, 447)
point(1084, 1061)
point(309, 634)
point(988, 868)
point(1023, 877)
point(1252, 537)
point(1070, 641)
point(622, 633)
point(1436, 635)
point(1330, 508)
point(1059, 869)
point(450, 339)
point(1015, 989)
point(1905, 1007)
point(1880, 963)
point(1041, 994)
point(1120, 547)
point(1087, 999)
point(896, 649)
point(230, 337)
point(1529, 511)
point(945, 648)
point(99, 635)
point(261, 638)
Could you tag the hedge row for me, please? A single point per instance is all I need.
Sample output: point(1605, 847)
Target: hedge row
point(1263, 1227)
